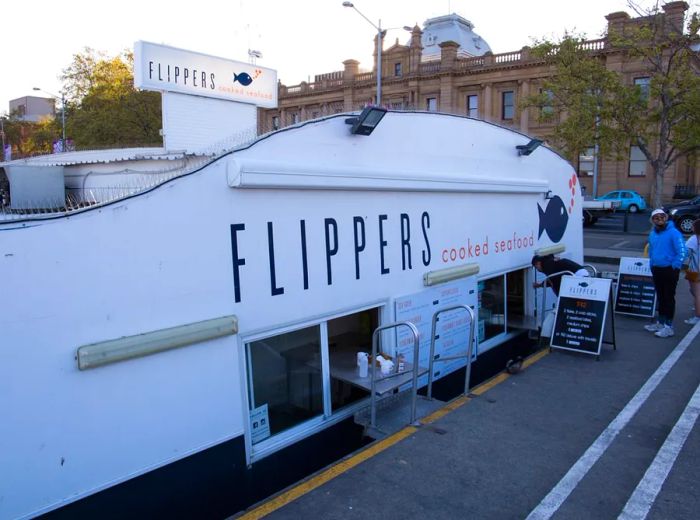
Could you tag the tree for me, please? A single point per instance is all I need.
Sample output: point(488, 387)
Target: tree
point(593, 102)
point(104, 108)
point(28, 138)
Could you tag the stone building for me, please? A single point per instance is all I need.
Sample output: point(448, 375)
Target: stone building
point(447, 67)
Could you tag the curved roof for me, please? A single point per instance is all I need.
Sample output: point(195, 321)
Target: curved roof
point(451, 27)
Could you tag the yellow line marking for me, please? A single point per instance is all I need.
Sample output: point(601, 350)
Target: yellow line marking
point(327, 475)
point(372, 450)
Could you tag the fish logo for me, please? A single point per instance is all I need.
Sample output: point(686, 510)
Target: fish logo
point(246, 79)
point(243, 78)
point(639, 264)
point(583, 284)
point(554, 219)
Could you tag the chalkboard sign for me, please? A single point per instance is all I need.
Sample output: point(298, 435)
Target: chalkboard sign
point(635, 288)
point(581, 310)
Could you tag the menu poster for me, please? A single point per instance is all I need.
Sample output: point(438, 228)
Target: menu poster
point(635, 288)
point(580, 320)
point(452, 327)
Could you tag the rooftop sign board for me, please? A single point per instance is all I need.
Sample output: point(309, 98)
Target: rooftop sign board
point(163, 68)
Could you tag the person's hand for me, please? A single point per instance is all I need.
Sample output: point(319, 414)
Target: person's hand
point(536, 285)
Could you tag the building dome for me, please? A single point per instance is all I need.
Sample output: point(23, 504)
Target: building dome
point(451, 27)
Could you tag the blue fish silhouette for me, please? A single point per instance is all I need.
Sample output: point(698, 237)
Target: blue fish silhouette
point(554, 219)
point(583, 284)
point(243, 78)
point(640, 264)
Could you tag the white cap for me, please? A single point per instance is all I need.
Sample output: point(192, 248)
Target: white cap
point(657, 212)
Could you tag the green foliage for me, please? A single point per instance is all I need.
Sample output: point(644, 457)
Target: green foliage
point(104, 108)
point(28, 138)
point(593, 101)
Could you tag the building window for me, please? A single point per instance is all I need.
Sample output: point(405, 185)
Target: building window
point(295, 117)
point(431, 104)
point(586, 162)
point(289, 383)
point(473, 105)
point(397, 69)
point(638, 162)
point(275, 122)
point(285, 381)
point(547, 109)
point(643, 85)
point(508, 104)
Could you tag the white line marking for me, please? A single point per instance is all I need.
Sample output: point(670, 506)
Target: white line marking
point(640, 502)
point(556, 497)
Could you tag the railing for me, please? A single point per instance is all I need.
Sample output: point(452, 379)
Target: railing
point(685, 191)
point(430, 68)
point(593, 45)
point(364, 76)
point(507, 57)
point(468, 355)
point(329, 76)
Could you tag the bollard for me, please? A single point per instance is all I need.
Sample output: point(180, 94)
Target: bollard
point(625, 223)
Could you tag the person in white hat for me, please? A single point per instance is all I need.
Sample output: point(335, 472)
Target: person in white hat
point(666, 255)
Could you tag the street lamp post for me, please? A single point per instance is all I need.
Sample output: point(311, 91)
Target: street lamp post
point(380, 38)
point(63, 115)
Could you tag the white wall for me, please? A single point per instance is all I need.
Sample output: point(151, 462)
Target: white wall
point(195, 124)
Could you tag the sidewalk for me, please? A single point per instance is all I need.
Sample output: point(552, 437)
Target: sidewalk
point(497, 454)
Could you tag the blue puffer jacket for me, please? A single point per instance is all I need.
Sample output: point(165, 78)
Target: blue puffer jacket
point(666, 247)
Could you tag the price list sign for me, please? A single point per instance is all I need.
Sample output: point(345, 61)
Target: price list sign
point(635, 288)
point(580, 320)
point(452, 331)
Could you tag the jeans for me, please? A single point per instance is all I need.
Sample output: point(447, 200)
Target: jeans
point(665, 282)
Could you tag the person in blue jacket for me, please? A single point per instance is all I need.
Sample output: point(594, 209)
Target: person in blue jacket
point(666, 255)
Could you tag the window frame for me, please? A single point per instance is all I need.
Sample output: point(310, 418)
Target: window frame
point(285, 438)
point(428, 103)
point(635, 161)
point(471, 109)
point(510, 106)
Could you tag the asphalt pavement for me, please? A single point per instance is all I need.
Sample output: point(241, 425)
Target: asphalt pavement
point(568, 437)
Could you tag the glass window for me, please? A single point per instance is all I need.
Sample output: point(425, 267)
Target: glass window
point(275, 122)
point(285, 378)
point(295, 118)
point(491, 308)
point(548, 104)
point(643, 84)
point(473, 105)
point(638, 162)
point(508, 104)
point(431, 104)
point(397, 69)
point(586, 162)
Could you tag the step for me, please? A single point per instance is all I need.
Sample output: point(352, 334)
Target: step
point(394, 413)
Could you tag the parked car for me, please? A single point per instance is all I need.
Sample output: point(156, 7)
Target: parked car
point(684, 214)
point(629, 200)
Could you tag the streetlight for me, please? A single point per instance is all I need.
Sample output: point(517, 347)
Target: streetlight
point(63, 114)
point(380, 38)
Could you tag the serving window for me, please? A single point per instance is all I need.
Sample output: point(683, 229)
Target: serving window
point(296, 377)
point(502, 305)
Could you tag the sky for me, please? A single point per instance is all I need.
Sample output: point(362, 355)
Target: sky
point(297, 38)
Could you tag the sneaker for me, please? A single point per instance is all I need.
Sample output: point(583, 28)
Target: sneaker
point(654, 327)
point(666, 332)
point(692, 321)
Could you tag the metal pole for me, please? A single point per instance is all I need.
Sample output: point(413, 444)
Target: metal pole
point(63, 121)
point(380, 44)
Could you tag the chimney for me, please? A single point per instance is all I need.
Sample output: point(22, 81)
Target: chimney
point(674, 16)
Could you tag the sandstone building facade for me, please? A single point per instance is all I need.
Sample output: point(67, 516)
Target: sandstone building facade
point(447, 67)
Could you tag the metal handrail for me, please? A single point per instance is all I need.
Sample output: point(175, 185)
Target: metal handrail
point(544, 285)
point(416, 344)
point(591, 268)
point(470, 345)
